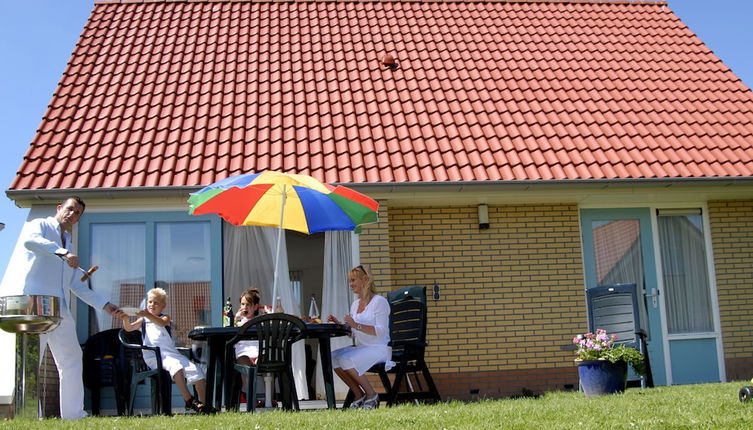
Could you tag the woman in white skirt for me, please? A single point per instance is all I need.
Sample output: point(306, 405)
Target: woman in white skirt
point(369, 321)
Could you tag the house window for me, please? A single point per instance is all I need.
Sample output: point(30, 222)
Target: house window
point(119, 249)
point(137, 252)
point(182, 254)
point(618, 252)
point(685, 272)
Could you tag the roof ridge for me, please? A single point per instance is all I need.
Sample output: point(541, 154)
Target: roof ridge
point(610, 2)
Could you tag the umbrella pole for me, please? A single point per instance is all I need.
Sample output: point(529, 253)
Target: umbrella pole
point(277, 257)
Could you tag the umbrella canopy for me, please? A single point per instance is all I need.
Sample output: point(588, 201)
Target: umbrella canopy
point(284, 200)
point(290, 201)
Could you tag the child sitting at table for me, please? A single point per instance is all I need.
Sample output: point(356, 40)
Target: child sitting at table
point(247, 351)
point(156, 332)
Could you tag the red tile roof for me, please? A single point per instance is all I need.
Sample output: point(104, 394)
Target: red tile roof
point(183, 93)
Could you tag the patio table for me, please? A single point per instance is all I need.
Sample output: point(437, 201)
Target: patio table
point(215, 337)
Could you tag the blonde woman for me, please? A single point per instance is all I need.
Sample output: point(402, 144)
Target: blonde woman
point(369, 321)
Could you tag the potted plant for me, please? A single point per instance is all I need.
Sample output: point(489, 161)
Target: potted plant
point(602, 364)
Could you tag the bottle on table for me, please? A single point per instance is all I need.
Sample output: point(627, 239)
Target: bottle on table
point(278, 306)
point(227, 314)
point(313, 308)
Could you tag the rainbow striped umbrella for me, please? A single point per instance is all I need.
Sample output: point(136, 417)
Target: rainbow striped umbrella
point(284, 200)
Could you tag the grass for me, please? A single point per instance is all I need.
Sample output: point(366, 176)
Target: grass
point(703, 406)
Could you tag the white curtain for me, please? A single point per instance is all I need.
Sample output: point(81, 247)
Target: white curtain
point(123, 281)
point(685, 275)
point(249, 259)
point(339, 258)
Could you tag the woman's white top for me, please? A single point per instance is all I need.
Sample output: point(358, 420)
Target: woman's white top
point(369, 349)
point(377, 314)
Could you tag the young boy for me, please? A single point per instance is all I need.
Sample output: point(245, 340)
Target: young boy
point(154, 326)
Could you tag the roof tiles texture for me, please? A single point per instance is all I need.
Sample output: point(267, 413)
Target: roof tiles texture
point(174, 93)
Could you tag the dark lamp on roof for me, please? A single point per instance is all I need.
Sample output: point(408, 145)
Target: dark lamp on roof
point(388, 61)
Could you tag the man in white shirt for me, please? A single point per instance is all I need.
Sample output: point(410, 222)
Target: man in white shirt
point(47, 264)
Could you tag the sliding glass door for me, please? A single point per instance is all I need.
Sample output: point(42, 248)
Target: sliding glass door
point(138, 251)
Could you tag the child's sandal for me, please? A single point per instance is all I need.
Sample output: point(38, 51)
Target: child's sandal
point(371, 403)
point(358, 403)
point(195, 405)
point(208, 410)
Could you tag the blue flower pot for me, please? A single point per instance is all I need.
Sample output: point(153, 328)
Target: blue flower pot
point(599, 377)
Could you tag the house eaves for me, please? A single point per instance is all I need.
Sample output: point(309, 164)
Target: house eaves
point(642, 191)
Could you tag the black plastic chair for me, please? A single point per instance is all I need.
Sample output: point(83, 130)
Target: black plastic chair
point(614, 308)
point(408, 320)
point(276, 334)
point(138, 372)
point(103, 367)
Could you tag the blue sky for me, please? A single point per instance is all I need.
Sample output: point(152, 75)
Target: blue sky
point(38, 36)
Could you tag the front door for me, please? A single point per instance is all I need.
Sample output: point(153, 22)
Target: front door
point(667, 259)
point(617, 247)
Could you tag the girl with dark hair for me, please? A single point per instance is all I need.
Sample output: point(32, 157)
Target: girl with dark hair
point(247, 351)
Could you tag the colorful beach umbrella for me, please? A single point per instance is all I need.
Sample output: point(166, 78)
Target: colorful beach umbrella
point(284, 200)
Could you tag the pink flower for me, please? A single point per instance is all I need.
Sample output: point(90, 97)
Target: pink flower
point(591, 346)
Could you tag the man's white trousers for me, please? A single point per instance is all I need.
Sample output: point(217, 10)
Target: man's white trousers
point(63, 343)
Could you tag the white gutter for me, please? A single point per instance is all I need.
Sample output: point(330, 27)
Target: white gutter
point(25, 198)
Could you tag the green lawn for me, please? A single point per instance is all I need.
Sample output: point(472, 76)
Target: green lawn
point(704, 406)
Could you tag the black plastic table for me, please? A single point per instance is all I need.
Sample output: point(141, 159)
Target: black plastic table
point(215, 337)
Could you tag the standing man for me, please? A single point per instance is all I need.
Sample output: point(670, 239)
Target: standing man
point(47, 264)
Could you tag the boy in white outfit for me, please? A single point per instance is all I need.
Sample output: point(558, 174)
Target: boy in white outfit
point(155, 331)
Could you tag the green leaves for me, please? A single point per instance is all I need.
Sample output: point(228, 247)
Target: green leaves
point(602, 346)
point(631, 356)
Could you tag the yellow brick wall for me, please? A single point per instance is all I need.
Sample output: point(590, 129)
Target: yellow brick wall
point(374, 249)
point(511, 295)
point(732, 242)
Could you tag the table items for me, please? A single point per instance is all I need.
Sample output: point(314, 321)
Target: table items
point(215, 338)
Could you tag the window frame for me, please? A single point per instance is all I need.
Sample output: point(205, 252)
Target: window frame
point(150, 219)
